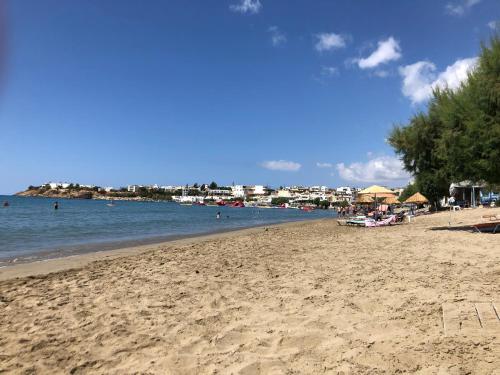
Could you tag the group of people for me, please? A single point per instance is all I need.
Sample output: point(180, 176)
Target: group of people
point(351, 210)
point(376, 213)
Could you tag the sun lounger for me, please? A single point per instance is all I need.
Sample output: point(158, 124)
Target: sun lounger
point(491, 217)
point(381, 223)
point(358, 222)
point(400, 217)
point(493, 227)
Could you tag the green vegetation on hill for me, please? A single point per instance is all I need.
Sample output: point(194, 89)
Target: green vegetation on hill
point(458, 137)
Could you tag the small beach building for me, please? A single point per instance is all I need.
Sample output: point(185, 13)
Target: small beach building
point(466, 193)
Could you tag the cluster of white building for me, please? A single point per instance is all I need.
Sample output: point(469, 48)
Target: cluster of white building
point(66, 185)
point(258, 193)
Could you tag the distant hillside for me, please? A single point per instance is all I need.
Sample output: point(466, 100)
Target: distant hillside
point(84, 193)
point(57, 193)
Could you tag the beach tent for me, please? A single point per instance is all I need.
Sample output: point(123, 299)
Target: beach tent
point(417, 198)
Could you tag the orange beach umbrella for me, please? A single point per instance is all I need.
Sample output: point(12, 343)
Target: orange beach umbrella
point(391, 200)
point(417, 198)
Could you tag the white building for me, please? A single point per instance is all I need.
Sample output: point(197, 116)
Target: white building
point(344, 190)
point(283, 193)
point(219, 193)
point(238, 191)
point(322, 188)
point(55, 185)
point(254, 190)
point(345, 193)
point(133, 188)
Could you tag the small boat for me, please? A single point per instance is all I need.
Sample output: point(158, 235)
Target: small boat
point(110, 204)
point(306, 208)
point(238, 204)
point(199, 204)
point(221, 203)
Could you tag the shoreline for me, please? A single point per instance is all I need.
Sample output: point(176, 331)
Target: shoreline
point(118, 249)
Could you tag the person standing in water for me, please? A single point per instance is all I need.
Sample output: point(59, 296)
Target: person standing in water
point(6, 204)
point(218, 215)
point(56, 205)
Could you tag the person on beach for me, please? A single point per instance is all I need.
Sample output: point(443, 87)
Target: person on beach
point(56, 205)
point(218, 215)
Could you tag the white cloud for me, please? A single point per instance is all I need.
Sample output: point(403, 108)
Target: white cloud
point(387, 50)
point(329, 41)
point(277, 36)
point(381, 73)
point(458, 8)
point(494, 25)
point(420, 78)
point(246, 6)
point(281, 165)
point(329, 71)
point(378, 169)
point(324, 165)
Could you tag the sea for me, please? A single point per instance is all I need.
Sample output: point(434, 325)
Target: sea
point(31, 229)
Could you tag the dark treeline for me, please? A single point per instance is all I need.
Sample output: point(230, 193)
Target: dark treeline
point(457, 138)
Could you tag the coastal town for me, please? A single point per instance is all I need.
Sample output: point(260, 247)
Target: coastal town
point(461, 194)
point(211, 193)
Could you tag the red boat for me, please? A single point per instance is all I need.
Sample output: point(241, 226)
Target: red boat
point(221, 203)
point(238, 204)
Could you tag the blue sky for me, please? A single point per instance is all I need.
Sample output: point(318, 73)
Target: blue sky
point(245, 91)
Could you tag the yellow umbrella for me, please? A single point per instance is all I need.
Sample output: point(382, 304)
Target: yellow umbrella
point(417, 198)
point(364, 199)
point(391, 200)
point(377, 191)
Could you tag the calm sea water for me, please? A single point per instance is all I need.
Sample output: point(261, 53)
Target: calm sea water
point(30, 228)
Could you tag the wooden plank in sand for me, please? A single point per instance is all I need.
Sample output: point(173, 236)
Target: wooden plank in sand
point(468, 318)
point(489, 319)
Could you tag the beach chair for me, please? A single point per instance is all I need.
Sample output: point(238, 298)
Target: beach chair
point(400, 217)
point(492, 227)
point(382, 223)
point(358, 222)
point(491, 217)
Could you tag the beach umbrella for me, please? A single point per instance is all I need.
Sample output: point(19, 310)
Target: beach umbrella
point(377, 191)
point(391, 200)
point(417, 198)
point(364, 199)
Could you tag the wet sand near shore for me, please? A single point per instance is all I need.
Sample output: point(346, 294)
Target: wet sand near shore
point(306, 297)
point(77, 255)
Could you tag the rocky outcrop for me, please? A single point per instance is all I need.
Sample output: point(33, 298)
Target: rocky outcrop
point(58, 193)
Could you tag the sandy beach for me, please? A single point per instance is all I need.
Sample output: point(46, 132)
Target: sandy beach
point(300, 298)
